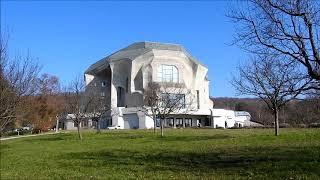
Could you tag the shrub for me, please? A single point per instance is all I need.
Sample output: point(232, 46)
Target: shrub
point(284, 125)
point(301, 125)
point(314, 125)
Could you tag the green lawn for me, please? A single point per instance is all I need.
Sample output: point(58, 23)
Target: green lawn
point(182, 154)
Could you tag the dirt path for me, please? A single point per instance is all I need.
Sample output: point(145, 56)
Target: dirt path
point(22, 136)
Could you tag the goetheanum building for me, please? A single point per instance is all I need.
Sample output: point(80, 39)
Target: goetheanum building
point(122, 78)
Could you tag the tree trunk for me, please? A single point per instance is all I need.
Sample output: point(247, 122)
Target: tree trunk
point(276, 121)
point(79, 133)
point(154, 124)
point(161, 126)
point(98, 126)
point(183, 123)
point(57, 125)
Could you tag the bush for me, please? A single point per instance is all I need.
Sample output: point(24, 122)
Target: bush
point(10, 133)
point(284, 125)
point(314, 125)
point(36, 131)
point(39, 130)
point(301, 125)
point(24, 132)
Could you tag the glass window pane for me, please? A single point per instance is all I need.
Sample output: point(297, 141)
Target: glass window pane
point(167, 73)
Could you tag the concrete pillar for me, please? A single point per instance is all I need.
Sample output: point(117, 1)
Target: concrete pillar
point(142, 119)
point(89, 123)
point(174, 123)
point(113, 93)
point(183, 123)
point(114, 115)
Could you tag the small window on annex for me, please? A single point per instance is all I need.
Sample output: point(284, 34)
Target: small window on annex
point(168, 73)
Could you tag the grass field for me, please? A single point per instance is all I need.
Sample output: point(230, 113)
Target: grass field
point(182, 154)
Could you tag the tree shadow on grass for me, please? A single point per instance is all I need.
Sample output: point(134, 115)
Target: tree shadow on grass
point(4, 146)
point(48, 138)
point(280, 161)
point(156, 137)
point(193, 138)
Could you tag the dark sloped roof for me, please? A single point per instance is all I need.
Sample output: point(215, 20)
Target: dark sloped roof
point(99, 64)
point(139, 48)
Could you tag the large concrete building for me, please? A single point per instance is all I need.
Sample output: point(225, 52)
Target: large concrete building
point(123, 77)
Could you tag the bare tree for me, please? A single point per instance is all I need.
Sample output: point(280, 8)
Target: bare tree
point(275, 82)
point(3, 52)
point(290, 28)
point(98, 108)
point(151, 99)
point(77, 102)
point(164, 99)
point(18, 79)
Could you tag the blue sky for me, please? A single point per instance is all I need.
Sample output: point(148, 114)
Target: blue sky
point(67, 37)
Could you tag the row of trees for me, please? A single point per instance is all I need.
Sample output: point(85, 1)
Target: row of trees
point(26, 97)
point(283, 38)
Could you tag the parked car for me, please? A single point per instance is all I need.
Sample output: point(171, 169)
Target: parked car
point(18, 129)
point(27, 128)
point(113, 127)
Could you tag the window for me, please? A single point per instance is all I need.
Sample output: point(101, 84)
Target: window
point(102, 94)
point(120, 97)
point(103, 84)
point(168, 122)
point(169, 99)
point(188, 122)
point(84, 123)
point(167, 73)
point(179, 122)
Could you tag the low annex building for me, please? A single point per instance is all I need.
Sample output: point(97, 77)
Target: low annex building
point(122, 78)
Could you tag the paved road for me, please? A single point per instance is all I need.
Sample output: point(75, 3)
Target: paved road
point(22, 136)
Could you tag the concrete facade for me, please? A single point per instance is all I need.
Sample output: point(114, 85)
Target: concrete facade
point(123, 77)
point(67, 123)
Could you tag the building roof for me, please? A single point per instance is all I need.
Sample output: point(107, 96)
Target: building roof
point(136, 49)
point(242, 113)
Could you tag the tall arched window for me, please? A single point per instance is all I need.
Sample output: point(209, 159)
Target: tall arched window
point(168, 73)
point(120, 97)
